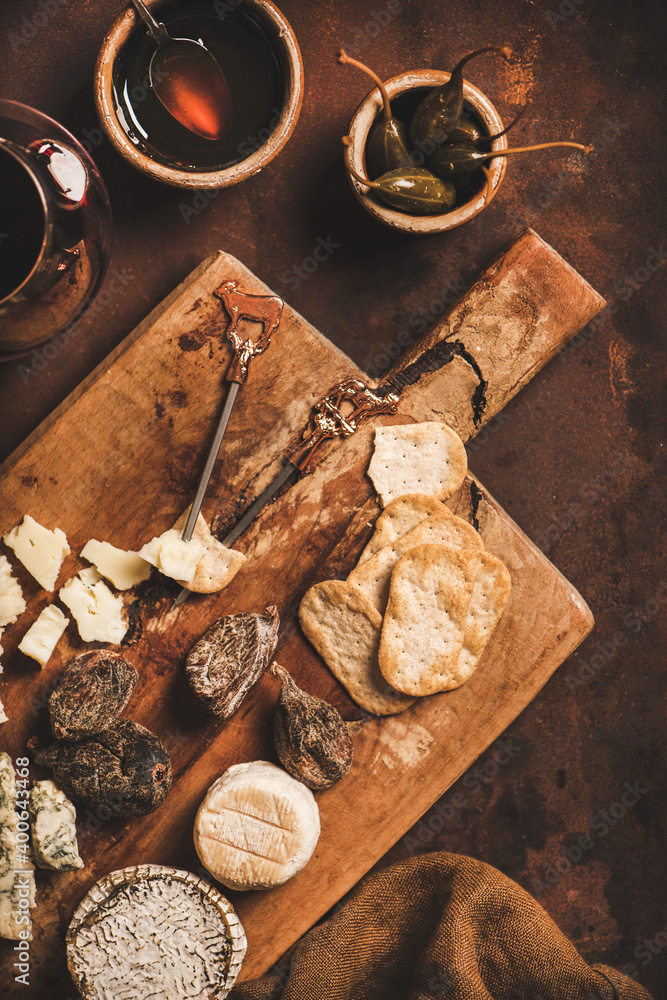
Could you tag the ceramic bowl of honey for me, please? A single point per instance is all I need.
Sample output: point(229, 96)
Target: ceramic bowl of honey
point(258, 54)
point(405, 93)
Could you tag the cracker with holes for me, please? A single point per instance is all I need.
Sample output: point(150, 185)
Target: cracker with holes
point(425, 623)
point(373, 577)
point(490, 594)
point(399, 517)
point(345, 630)
point(426, 458)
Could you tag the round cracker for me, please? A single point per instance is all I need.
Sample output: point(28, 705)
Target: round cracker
point(427, 458)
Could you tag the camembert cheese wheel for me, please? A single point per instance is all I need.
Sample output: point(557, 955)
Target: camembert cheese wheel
point(257, 827)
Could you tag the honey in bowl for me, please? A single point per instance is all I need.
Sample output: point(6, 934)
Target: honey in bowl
point(237, 40)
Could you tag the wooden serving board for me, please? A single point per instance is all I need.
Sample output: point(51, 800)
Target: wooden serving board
point(118, 461)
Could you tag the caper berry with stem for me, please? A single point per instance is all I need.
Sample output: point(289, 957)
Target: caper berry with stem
point(469, 132)
point(458, 158)
point(411, 189)
point(387, 143)
point(440, 111)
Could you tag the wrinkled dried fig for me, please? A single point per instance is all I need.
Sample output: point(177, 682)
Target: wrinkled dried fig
point(90, 695)
point(230, 658)
point(312, 741)
point(126, 769)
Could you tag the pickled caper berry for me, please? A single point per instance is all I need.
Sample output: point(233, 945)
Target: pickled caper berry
point(387, 142)
point(440, 111)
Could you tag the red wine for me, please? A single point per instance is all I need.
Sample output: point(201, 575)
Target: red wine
point(250, 64)
point(22, 223)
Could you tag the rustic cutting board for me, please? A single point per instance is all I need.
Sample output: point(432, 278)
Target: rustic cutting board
point(118, 460)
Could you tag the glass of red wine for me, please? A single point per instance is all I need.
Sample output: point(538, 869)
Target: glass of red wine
point(55, 229)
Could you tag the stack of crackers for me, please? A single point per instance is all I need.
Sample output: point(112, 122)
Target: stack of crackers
point(416, 612)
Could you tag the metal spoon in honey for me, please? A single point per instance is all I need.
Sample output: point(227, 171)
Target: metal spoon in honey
point(187, 80)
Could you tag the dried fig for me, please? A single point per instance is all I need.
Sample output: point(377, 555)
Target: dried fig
point(312, 741)
point(126, 769)
point(230, 658)
point(91, 693)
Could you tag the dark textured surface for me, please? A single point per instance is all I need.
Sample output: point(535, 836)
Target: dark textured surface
point(576, 459)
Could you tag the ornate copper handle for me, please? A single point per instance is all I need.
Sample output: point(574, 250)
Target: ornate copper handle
point(264, 309)
point(330, 421)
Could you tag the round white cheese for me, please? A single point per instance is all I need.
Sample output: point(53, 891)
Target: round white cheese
point(154, 932)
point(257, 827)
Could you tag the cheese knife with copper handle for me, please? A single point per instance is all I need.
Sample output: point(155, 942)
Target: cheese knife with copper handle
point(264, 309)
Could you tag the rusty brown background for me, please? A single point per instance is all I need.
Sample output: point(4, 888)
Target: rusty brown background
point(576, 459)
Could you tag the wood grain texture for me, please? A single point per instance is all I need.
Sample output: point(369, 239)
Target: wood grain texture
point(119, 460)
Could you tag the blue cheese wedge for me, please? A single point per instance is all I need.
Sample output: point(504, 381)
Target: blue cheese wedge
point(53, 828)
point(123, 569)
point(40, 550)
point(17, 881)
point(42, 637)
point(97, 612)
point(12, 603)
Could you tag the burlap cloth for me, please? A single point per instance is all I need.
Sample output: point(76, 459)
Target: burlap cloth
point(440, 927)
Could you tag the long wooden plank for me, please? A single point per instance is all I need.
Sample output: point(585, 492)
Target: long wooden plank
point(425, 749)
point(119, 461)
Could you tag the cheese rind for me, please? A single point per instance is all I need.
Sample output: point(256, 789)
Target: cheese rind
point(40, 550)
point(43, 635)
point(96, 610)
point(123, 569)
point(172, 556)
point(12, 603)
point(53, 828)
point(17, 881)
point(257, 827)
point(155, 932)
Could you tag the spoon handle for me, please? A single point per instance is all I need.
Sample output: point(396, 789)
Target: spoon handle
point(156, 29)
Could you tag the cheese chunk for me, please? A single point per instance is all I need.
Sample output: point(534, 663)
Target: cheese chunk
point(11, 596)
point(3, 717)
point(41, 638)
point(96, 610)
point(217, 567)
point(41, 551)
point(154, 933)
point(124, 569)
point(53, 828)
point(257, 827)
point(17, 881)
point(172, 556)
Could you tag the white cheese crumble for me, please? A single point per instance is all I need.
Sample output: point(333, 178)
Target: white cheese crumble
point(124, 569)
point(42, 637)
point(41, 551)
point(172, 556)
point(12, 603)
point(96, 610)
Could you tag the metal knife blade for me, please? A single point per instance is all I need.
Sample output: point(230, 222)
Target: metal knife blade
point(330, 421)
